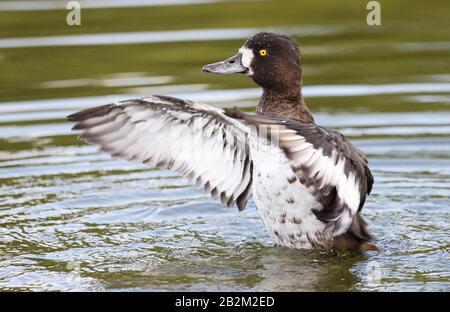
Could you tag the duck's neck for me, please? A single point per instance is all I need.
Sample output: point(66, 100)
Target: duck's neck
point(285, 104)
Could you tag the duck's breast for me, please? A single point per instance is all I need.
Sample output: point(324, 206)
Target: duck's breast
point(284, 204)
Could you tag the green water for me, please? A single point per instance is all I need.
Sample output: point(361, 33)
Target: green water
point(74, 219)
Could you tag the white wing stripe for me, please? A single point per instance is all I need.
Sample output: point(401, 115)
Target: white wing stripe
point(197, 140)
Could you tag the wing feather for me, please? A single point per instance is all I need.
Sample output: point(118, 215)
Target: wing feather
point(197, 140)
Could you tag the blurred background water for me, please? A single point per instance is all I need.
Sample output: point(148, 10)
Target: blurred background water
point(74, 219)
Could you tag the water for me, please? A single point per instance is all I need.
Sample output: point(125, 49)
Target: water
point(74, 219)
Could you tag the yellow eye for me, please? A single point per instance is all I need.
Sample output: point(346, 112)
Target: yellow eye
point(263, 52)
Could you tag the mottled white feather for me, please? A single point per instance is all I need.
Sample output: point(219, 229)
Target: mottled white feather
point(197, 140)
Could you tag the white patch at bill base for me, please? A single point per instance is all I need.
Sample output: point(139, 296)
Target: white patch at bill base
point(246, 59)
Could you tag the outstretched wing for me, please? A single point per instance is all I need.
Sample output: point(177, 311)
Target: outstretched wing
point(194, 139)
point(335, 171)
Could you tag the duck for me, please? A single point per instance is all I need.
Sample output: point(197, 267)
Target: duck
point(308, 182)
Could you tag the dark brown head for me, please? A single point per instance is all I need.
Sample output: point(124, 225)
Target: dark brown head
point(271, 60)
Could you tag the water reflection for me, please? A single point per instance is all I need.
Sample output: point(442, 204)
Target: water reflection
point(287, 270)
point(158, 36)
point(37, 5)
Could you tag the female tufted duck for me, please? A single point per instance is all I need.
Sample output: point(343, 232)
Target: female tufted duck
point(309, 182)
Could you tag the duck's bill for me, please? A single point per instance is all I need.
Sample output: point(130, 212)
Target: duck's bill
point(232, 65)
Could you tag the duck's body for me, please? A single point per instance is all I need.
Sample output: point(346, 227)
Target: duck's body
point(308, 182)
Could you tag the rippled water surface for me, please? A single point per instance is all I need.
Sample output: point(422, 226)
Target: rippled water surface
point(74, 219)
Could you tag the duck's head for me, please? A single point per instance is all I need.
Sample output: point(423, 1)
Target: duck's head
point(270, 59)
